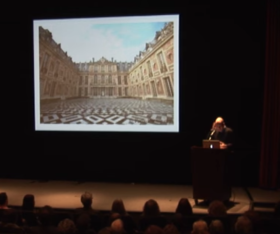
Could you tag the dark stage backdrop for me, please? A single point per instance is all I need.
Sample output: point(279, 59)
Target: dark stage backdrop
point(221, 74)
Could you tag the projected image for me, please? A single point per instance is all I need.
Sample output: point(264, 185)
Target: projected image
point(107, 74)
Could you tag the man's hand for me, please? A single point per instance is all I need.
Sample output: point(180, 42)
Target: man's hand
point(223, 145)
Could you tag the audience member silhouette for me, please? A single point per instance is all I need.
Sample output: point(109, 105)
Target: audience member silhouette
point(151, 216)
point(8, 217)
point(28, 216)
point(83, 224)
point(151, 220)
point(171, 229)
point(255, 220)
point(243, 225)
point(8, 221)
point(86, 200)
point(184, 207)
point(119, 208)
point(117, 226)
point(217, 209)
point(216, 227)
point(28, 202)
point(67, 226)
point(183, 216)
point(153, 229)
point(4, 201)
point(45, 219)
point(111, 218)
point(200, 227)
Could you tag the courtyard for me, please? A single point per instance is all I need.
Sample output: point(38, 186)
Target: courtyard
point(120, 111)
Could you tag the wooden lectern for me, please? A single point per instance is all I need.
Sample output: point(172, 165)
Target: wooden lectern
point(210, 174)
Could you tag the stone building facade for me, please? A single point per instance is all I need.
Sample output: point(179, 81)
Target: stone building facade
point(103, 78)
point(150, 76)
point(59, 75)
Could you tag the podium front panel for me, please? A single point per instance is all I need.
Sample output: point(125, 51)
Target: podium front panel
point(210, 174)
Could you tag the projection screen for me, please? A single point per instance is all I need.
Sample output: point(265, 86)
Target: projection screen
point(107, 74)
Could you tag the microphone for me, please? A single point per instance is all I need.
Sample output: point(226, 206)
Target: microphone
point(213, 131)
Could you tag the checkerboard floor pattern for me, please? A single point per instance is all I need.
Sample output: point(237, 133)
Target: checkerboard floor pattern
point(107, 111)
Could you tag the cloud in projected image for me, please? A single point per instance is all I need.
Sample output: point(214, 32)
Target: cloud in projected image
point(85, 40)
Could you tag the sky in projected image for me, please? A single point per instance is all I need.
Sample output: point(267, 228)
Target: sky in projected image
point(110, 100)
point(85, 39)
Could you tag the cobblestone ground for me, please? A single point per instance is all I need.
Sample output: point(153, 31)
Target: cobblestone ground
point(107, 111)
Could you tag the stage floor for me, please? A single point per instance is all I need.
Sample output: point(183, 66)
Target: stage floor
point(66, 194)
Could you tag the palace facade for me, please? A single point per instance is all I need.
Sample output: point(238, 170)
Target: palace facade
point(59, 75)
point(150, 76)
point(104, 78)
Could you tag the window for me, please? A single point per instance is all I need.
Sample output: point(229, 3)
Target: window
point(110, 91)
point(162, 63)
point(150, 69)
point(170, 56)
point(52, 67)
point(95, 91)
point(46, 60)
point(141, 72)
point(168, 87)
point(56, 69)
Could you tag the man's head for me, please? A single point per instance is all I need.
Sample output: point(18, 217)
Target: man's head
point(117, 225)
point(86, 199)
point(200, 227)
point(45, 215)
point(118, 207)
point(216, 227)
point(67, 226)
point(28, 202)
point(243, 225)
point(219, 124)
point(217, 209)
point(151, 208)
